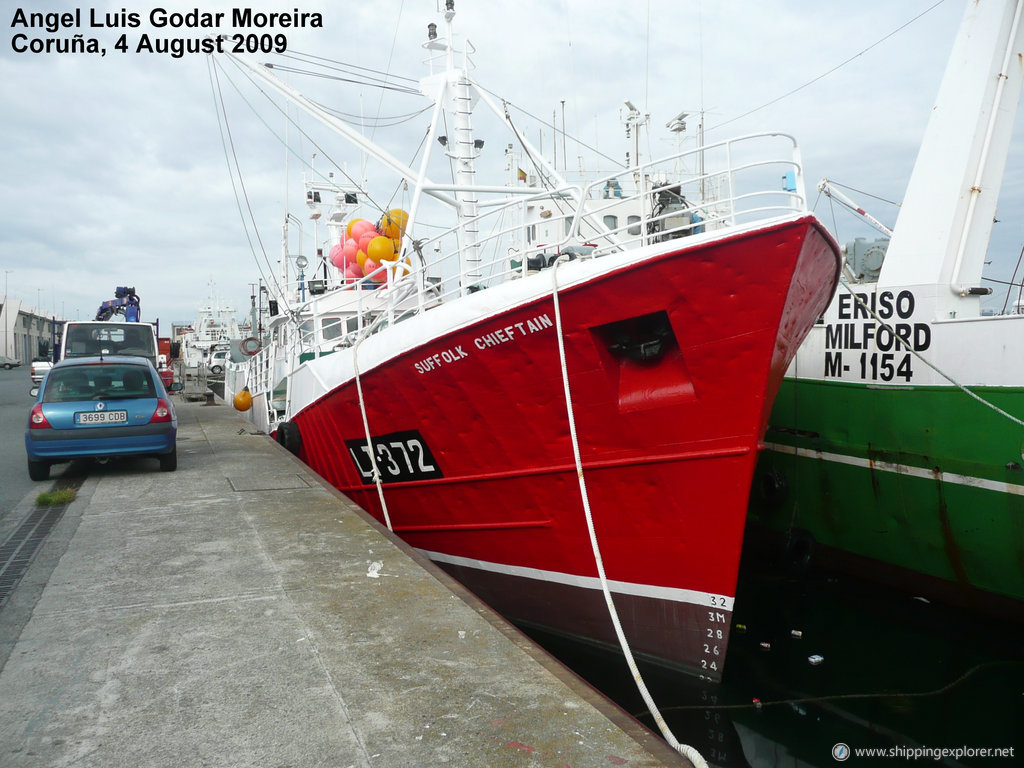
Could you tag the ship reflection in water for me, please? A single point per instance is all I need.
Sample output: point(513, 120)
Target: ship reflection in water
point(818, 661)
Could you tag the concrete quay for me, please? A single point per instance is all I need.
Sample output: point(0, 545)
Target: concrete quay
point(240, 612)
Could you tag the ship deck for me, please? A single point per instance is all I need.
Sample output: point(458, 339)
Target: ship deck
point(240, 612)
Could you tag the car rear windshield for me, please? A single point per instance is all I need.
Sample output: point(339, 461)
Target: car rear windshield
point(98, 382)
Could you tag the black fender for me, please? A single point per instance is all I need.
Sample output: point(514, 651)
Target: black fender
point(289, 437)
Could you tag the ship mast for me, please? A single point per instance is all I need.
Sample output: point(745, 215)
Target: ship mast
point(459, 97)
point(944, 226)
point(455, 93)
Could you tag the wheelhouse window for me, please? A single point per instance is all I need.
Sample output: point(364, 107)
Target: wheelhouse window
point(331, 328)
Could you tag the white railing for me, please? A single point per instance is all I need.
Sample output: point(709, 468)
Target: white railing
point(652, 203)
point(629, 209)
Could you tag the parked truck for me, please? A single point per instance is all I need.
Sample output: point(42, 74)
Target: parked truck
point(106, 336)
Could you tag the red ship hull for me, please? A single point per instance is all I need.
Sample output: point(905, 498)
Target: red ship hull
point(472, 439)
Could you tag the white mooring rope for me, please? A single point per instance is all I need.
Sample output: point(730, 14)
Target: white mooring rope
point(366, 431)
point(690, 753)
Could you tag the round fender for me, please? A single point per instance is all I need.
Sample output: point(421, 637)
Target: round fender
point(288, 435)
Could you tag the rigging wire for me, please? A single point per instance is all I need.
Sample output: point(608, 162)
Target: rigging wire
point(370, 198)
point(1011, 283)
point(864, 193)
point(323, 152)
point(388, 76)
point(832, 203)
point(382, 82)
point(543, 123)
point(366, 194)
point(234, 169)
point(305, 57)
point(384, 122)
point(831, 210)
point(647, 60)
point(391, 55)
point(562, 206)
point(350, 117)
point(839, 66)
point(375, 123)
point(700, 60)
point(322, 76)
point(291, 122)
point(647, 82)
point(403, 184)
point(575, 93)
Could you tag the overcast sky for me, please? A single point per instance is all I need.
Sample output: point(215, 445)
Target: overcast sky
point(115, 172)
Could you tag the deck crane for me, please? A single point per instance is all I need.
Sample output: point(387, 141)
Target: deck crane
point(125, 302)
point(863, 259)
point(826, 188)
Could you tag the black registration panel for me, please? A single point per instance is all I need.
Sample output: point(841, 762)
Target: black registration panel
point(401, 457)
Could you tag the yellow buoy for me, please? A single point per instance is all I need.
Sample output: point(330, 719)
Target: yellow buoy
point(392, 224)
point(243, 400)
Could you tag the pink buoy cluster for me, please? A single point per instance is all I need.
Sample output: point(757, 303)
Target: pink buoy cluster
point(367, 245)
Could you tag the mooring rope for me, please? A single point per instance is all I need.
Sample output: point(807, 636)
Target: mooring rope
point(366, 431)
point(828, 698)
point(690, 753)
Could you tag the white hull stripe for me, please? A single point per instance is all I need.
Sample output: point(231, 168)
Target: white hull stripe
point(672, 594)
point(900, 469)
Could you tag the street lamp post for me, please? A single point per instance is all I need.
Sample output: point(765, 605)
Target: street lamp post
point(7, 312)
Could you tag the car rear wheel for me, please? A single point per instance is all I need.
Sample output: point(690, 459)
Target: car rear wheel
point(38, 470)
point(169, 461)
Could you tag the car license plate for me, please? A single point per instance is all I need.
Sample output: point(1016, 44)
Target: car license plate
point(101, 417)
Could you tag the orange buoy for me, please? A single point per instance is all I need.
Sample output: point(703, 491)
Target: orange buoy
point(242, 400)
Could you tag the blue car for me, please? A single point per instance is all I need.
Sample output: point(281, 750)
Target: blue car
point(101, 407)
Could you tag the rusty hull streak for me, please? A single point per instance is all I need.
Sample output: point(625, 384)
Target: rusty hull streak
point(948, 538)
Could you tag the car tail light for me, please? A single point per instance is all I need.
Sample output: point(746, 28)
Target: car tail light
point(162, 411)
point(36, 419)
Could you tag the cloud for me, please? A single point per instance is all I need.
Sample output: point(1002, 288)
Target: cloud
point(116, 172)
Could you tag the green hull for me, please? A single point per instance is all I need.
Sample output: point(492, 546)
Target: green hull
point(917, 482)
